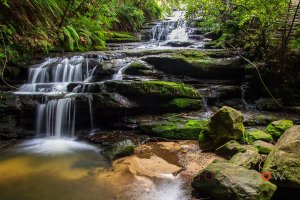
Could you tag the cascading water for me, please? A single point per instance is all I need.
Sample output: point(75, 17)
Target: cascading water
point(54, 74)
point(173, 28)
point(57, 118)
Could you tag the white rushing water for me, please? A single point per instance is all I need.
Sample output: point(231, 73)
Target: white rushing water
point(55, 146)
point(56, 118)
point(174, 28)
point(54, 74)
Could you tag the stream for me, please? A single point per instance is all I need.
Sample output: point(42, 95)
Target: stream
point(55, 164)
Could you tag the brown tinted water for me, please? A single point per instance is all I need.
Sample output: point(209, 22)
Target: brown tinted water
point(31, 171)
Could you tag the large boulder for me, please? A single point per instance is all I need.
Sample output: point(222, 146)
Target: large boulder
point(283, 161)
point(227, 182)
point(197, 65)
point(225, 125)
point(175, 128)
point(277, 128)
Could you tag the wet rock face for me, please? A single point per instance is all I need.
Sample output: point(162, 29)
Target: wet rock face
point(227, 181)
point(284, 159)
point(225, 125)
point(198, 67)
point(17, 111)
point(114, 98)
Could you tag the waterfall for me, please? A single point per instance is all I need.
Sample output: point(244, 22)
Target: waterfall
point(54, 73)
point(59, 115)
point(119, 74)
point(172, 29)
point(90, 97)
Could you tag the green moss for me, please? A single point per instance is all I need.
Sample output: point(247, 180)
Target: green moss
point(185, 103)
point(139, 68)
point(120, 149)
point(138, 64)
point(263, 147)
point(255, 134)
point(175, 128)
point(225, 125)
point(231, 148)
point(153, 89)
point(277, 128)
point(121, 37)
point(193, 54)
point(202, 138)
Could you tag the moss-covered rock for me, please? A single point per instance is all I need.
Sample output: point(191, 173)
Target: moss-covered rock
point(263, 147)
point(277, 128)
point(255, 134)
point(225, 125)
point(263, 120)
point(248, 159)
point(197, 65)
point(231, 148)
point(184, 103)
point(153, 89)
point(139, 68)
point(175, 128)
point(284, 159)
point(227, 181)
point(120, 149)
point(120, 37)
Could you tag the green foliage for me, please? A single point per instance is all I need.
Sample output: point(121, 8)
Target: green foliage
point(250, 24)
point(31, 26)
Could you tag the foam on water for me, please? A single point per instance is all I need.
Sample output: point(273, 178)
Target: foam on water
point(169, 187)
point(54, 146)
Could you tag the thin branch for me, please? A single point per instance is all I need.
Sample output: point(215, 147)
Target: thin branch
point(260, 77)
point(292, 25)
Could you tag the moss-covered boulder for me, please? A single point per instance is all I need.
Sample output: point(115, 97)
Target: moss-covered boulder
point(120, 149)
point(263, 147)
point(175, 128)
point(284, 159)
point(139, 68)
point(225, 125)
point(231, 148)
point(157, 88)
point(277, 128)
point(227, 181)
point(255, 134)
point(248, 159)
point(197, 64)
